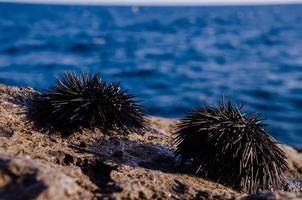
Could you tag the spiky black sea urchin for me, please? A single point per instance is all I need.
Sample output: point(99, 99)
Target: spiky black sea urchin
point(87, 101)
point(229, 147)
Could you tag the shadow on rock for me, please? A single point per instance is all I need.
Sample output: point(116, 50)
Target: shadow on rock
point(14, 186)
point(6, 132)
point(136, 153)
point(121, 150)
point(99, 173)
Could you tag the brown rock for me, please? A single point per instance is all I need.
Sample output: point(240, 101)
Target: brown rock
point(22, 178)
point(88, 164)
point(274, 196)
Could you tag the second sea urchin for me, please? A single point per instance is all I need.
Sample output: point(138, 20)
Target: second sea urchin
point(86, 101)
point(229, 147)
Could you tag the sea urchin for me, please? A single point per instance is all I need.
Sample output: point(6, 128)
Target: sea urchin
point(86, 101)
point(222, 144)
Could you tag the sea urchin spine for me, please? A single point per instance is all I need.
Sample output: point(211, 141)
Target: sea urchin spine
point(229, 147)
point(86, 101)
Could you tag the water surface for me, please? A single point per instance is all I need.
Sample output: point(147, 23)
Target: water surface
point(175, 58)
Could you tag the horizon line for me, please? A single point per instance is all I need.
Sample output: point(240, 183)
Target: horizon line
point(156, 2)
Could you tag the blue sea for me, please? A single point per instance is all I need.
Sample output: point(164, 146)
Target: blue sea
point(175, 58)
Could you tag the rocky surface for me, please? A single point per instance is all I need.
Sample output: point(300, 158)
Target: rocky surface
point(38, 163)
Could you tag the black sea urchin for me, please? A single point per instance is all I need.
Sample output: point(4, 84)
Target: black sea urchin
point(86, 101)
point(231, 148)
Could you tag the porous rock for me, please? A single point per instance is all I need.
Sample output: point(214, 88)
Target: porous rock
point(88, 164)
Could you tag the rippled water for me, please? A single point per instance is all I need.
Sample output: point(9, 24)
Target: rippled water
point(175, 58)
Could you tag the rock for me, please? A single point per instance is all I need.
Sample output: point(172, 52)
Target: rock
point(274, 196)
point(22, 178)
point(37, 163)
point(294, 161)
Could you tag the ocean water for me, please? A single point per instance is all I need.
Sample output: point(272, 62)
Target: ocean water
point(174, 57)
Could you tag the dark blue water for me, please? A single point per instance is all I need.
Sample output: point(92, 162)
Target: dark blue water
point(176, 58)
